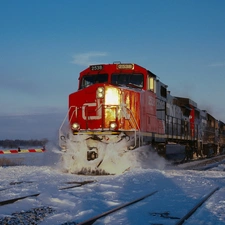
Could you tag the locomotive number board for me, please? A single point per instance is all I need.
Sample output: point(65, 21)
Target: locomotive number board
point(96, 67)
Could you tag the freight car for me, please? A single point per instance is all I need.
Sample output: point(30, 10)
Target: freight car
point(126, 102)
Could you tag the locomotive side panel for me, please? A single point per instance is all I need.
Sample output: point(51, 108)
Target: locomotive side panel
point(221, 137)
point(174, 122)
point(148, 112)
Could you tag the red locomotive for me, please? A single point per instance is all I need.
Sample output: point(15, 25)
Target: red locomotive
point(124, 101)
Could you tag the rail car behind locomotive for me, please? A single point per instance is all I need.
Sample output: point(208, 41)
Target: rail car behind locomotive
point(126, 102)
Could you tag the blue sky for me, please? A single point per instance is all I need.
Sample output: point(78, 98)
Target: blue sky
point(45, 44)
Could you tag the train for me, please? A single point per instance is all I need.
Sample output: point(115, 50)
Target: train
point(127, 102)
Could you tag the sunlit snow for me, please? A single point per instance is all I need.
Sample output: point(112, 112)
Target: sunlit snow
point(178, 190)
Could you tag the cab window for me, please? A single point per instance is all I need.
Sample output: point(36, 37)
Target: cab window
point(88, 80)
point(130, 80)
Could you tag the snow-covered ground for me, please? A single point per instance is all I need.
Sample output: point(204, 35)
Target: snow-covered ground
point(178, 191)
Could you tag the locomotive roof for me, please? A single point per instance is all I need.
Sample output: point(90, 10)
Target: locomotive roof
point(186, 101)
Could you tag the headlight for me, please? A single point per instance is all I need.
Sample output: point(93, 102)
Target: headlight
point(112, 125)
point(112, 96)
point(100, 92)
point(75, 126)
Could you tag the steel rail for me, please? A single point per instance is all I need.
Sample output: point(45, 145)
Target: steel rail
point(16, 183)
point(77, 184)
point(93, 219)
point(209, 164)
point(16, 199)
point(192, 211)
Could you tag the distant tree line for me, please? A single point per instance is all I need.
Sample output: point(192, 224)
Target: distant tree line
point(22, 143)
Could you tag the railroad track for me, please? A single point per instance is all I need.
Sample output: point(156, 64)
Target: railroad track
point(203, 164)
point(167, 212)
point(95, 218)
point(34, 215)
point(12, 200)
point(195, 207)
point(210, 165)
point(166, 215)
point(12, 184)
point(149, 199)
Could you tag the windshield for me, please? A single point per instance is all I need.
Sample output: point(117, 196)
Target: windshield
point(88, 80)
point(133, 80)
